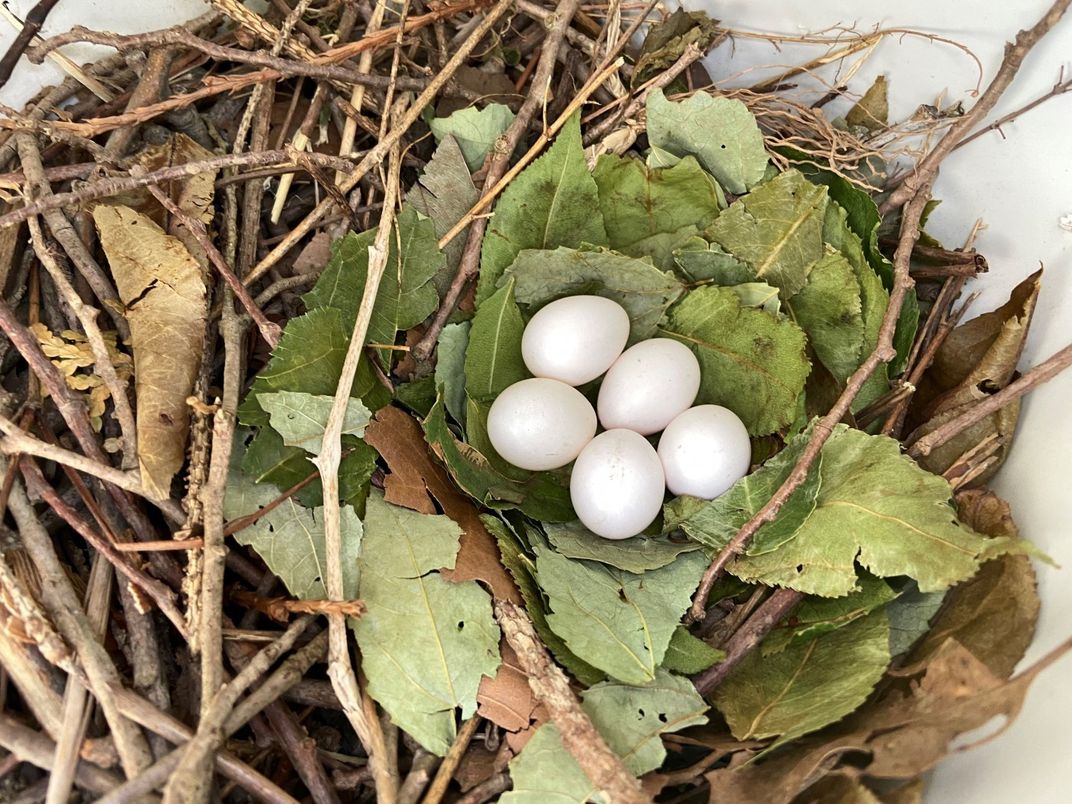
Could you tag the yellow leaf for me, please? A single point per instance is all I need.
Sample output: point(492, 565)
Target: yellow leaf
point(161, 284)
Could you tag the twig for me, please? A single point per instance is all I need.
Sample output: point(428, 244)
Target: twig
point(102, 188)
point(340, 670)
point(32, 23)
point(420, 772)
point(270, 331)
point(1015, 53)
point(381, 149)
point(902, 284)
point(772, 611)
point(357, 96)
point(191, 781)
point(103, 366)
point(451, 760)
point(37, 749)
point(551, 688)
point(66, 612)
point(487, 790)
point(1059, 88)
point(1046, 370)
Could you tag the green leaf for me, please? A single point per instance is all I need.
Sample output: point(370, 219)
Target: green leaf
point(614, 620)
point(300, 418)
point(268, 460)
point(450, 367)
point(475, 130)
point(522, 569)
point(633, 719)
point(309, 359)
point(406, 295)
point(553, 202)
point(819, 615)
point(721, 133)
point(687, 654)
point(714, 522)
point(700, 261)
point(874, 299)
point(636, 555)
point(878, 508)
point(445, 193)
point(642, 289)
point(873, 109)
point(808, 685)
point(777, 229)
point(290, 538)
point(829, 311)
point(545, 772)
point(910, 616)
point(425, 642)
point(751, 362)
point(650, 212)
point(759, 294)
point(863, 219)
point(493, 359)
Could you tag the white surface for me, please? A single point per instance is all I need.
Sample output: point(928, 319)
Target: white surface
point(617, 484)
point(118, 16)
point(650, 384)
point(1021, 186)
point(575, 339)
point(704, 451)
point(539, 424)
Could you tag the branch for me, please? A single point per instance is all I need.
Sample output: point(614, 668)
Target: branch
point(1044, 371)
point(1015, 52)
point(772, 611)
point(551, 688)
point(31, 25)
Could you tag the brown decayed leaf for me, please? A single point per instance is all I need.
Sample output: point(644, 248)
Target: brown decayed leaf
point(400, 441)
point(192, 194)
point(994, 614)
point(506, 699)
point(837, 788)
point(978, 359)
point(161, 284)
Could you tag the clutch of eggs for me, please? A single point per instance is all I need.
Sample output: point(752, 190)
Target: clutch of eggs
point(619, 479)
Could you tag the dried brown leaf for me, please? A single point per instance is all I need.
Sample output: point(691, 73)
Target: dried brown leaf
point(978, 359)
point(872, 111)
point(162, 287)
point(400, 441)
point(506, 700)
point(837, 788)
point(994, 614)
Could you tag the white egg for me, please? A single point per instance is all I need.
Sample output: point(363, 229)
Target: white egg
point(617, 485)
point(648, 386)
point(704, 451)
point(540, 424)
point(575, 339)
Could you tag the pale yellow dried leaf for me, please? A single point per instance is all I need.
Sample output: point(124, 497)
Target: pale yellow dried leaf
point(161, 284)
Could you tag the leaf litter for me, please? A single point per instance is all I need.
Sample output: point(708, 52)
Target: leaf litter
point(864, 609)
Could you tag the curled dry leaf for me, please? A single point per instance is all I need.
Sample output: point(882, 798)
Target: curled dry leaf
point(162, 287)
point(977, 360)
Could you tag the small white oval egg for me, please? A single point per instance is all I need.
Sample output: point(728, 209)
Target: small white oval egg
point(650, 384)
point(617, 485)
point(704, 451)
point(540, 424)
point(575, 339)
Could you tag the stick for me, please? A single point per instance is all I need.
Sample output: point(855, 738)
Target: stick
point(1044, 371)
point(30, 746)
point(1015, 52)
point(452, 760)
point(340, 670)
point(551, 688)
point(35, 18)
point(772, 611)
point(380, 151)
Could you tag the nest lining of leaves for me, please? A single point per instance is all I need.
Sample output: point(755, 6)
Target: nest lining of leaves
point(246, 392)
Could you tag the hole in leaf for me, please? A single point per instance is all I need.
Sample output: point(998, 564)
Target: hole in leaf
point(800, 567)
point(662, 717)
point(461, 624)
